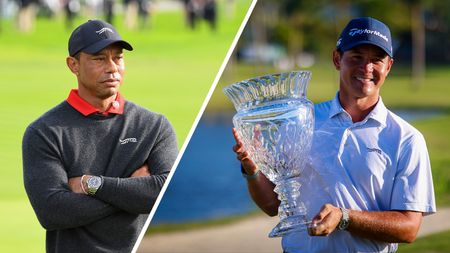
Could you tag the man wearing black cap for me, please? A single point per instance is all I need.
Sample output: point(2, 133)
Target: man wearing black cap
point(94, 164)
point(374, 165)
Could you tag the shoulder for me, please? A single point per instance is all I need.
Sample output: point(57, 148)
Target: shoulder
point(396, 123)
point(140, 114)
point(49, 124)
point(135, 110)
point(51, 118)
point(322, 110)
point(323, 106)
point(408, 134)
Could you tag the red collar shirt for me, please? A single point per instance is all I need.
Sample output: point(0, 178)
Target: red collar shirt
point(87, 109)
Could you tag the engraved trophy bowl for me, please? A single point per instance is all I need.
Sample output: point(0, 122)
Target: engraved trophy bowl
point(275, 121)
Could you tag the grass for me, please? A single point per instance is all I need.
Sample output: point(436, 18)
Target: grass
point(437, 135)
point(397, 91)
point(170, 71)
point(435, 243)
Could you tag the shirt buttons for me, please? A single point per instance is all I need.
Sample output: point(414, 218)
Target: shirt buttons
point(115, 104)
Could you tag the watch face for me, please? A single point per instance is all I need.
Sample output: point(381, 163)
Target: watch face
point(94, 182)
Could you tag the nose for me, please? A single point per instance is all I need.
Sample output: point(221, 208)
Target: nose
point(367, 65)
point(111, 66)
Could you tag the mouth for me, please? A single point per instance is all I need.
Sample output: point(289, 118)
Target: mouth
point(111, 82)
point(364, 79)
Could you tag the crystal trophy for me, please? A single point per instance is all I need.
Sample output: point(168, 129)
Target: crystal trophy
point(275, 121)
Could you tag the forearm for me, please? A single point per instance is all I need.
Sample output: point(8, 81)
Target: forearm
point(261, 191)
point(63, 209)
point(138, 194)
point(134, 195)
point(46, 184)
point(259, 187)
point(386, 226)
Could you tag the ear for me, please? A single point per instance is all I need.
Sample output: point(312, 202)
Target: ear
point(73, 64)
point(390, 63)
point(337, 59)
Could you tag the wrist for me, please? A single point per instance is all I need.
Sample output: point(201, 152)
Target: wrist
point(250, 175)
point(345, 219)
point(83, 183)
point(90, 184)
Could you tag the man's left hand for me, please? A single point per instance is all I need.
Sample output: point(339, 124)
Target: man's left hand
point(143, 171)
point(325, 221)
point(75, 184)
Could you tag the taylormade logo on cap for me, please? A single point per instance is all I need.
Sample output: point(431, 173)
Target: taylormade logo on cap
point(354, 31)
point(365, 30)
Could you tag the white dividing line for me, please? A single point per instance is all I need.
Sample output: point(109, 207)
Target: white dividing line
point(197, 119)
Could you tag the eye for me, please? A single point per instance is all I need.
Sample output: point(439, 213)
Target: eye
point(356, 57)
point(378, 60)
point(98, 58)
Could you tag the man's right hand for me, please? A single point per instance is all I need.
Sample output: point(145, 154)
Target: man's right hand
point(261, 189)
point(143, 171)
point(243, 155)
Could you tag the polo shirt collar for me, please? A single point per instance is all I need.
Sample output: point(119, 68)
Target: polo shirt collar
point(336, 107)
point(379, 112)
point(87, 109)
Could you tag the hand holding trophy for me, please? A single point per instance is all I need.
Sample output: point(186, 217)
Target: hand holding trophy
point(275, 121)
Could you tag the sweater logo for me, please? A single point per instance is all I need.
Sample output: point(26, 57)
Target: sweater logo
point(127, 140)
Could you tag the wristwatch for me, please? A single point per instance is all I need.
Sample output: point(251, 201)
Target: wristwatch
point(345, 220)
point(93, 183)
point(251, 177)
point(247, 176)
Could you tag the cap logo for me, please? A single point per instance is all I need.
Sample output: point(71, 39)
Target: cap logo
point(104, 29)
point(355, 31)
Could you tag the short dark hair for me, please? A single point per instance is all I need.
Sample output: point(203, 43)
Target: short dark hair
point(77, 55)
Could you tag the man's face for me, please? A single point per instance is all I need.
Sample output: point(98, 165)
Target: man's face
point(363, 70)
point(100, 75)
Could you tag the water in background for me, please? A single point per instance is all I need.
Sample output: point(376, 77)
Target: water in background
point(207, 183)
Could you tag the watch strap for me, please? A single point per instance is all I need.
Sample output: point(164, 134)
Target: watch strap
point(249, 177)
point(93, 184)
point(345, 220)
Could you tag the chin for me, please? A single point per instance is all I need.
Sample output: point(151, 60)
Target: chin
point(108, 94)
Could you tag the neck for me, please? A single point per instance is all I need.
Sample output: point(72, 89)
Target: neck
point(358, 108)
point(101, 104)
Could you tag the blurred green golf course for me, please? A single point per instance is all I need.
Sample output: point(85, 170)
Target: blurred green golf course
point(170, 71)
point(432, 96)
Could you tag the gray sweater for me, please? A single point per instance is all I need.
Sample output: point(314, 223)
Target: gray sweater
point(63, 143)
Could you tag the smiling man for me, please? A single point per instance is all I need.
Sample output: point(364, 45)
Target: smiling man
point(375, 165)
point(95, 164)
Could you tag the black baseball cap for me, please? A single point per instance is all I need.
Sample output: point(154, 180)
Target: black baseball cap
point(365, 30)
point(93, 36)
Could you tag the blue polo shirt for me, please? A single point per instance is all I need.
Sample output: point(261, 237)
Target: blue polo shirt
point(380, 163)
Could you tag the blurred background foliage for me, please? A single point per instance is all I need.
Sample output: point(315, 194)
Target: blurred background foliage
point(169, 71)
point(286, 35)
point(298, 34)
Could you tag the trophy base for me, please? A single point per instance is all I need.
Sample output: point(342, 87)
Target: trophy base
point(288, 225)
